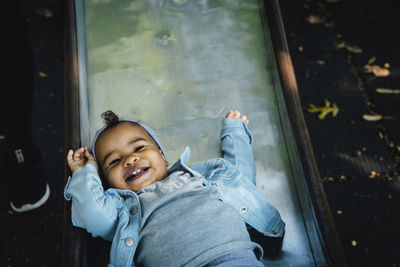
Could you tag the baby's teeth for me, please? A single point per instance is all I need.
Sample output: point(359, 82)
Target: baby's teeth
point(136, 172)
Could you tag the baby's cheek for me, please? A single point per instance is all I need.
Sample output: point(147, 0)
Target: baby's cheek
point(110, 178)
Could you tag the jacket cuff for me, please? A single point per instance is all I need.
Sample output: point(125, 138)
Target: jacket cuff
point(79, 174)
point(232, 126)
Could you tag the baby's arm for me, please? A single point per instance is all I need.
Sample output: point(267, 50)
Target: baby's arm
point(92, 208)
point(236, 143)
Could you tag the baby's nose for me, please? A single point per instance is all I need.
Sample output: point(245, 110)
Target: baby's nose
point(130, 160)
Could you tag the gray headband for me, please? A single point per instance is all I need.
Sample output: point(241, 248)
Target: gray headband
point(147, 128)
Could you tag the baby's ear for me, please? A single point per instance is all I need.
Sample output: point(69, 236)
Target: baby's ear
point(162, 155)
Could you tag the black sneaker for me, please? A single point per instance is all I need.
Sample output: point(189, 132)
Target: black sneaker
point(26, 178)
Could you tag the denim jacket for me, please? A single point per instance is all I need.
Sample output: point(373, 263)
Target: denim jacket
point(115, 214)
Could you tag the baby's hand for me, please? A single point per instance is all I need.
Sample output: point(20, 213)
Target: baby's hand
point(234, 114)
point(80, 158)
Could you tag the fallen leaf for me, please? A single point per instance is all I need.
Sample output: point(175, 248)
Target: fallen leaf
point(369, 117)
point(372, 175)
point(342, 44)
point(42, 74)
point(387, 91)
point(386, 65)
point(377, 71)
point(300, 48)
point(371, 60)
point(45, 12)
point(327, 179)
point(313, 19)
point(354, 243)
point(319, 62)
point(325, 110)
point(335, 110)
point(354, 49)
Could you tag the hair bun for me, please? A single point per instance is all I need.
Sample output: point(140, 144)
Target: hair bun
point(110, 118)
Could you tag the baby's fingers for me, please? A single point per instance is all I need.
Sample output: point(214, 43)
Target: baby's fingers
point(79, 153)
point(69, 155)
point(233, 114)
point(75, 156)
point(89, 155)
point(245, 120)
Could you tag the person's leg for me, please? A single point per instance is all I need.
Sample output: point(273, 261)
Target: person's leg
point(25, 176)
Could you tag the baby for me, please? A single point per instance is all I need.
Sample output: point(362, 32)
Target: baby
point(181, 216)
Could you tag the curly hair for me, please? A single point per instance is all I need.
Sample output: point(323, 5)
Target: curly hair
point(110, 118)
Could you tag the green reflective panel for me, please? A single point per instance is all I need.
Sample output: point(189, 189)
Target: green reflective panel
point(180, 66)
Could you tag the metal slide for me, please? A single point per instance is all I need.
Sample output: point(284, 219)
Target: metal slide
point(180, 66)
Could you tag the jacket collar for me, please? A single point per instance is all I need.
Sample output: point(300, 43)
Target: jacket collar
point(181, 163)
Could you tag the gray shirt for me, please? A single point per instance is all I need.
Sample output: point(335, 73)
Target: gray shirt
point(186, 224)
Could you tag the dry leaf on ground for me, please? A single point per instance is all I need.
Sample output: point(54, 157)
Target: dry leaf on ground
point(351, 48)
point(387, 91)
point(372, 175)
point(354, 49)
point(341, 45)
point(377, 70)
point(314, 19)
point(319, 62)
point(369, 117)
point(45, 12)
point(325, 110)
point(371, 60)
point(42, 74)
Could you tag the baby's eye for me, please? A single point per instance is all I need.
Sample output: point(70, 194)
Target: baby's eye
point(115, 161)
point(139, 148)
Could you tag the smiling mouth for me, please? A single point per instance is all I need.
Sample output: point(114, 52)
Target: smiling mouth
point(136, 174)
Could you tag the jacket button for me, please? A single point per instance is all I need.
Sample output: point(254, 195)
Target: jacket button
point(243, 209)
point(134, 210)
point(129, 241)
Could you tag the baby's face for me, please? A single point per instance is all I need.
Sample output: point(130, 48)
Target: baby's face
point(129, 158)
